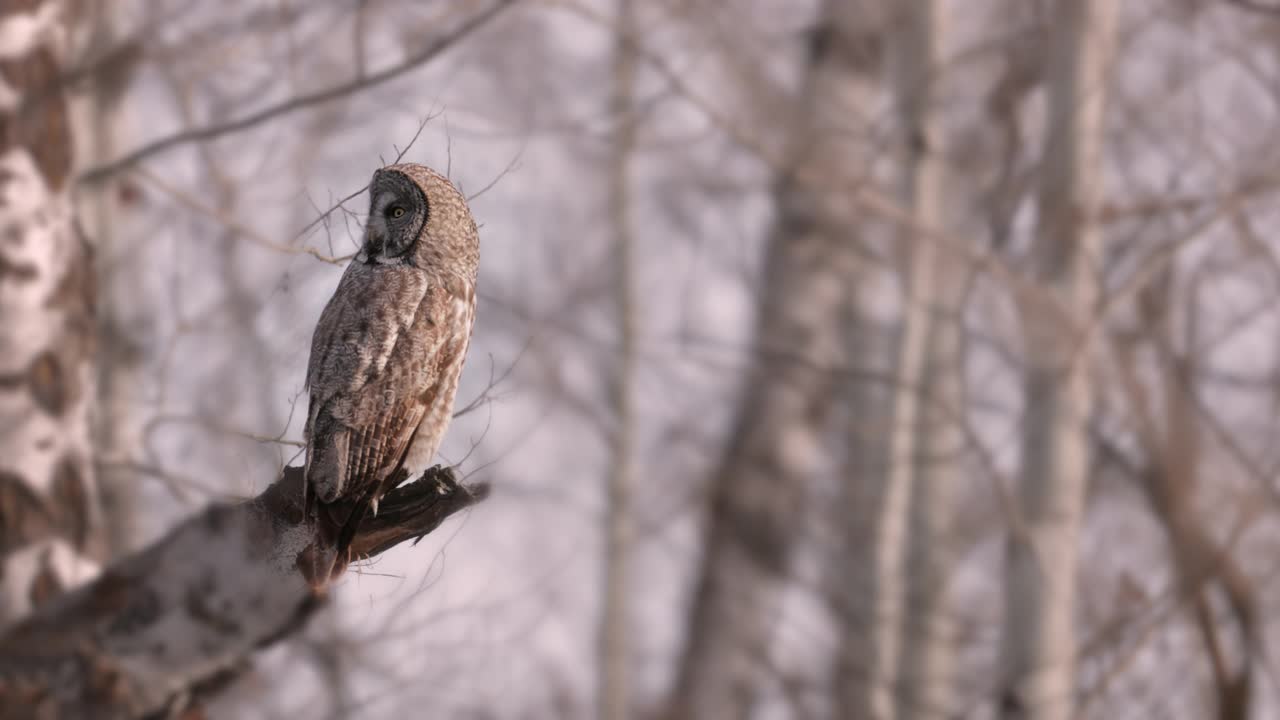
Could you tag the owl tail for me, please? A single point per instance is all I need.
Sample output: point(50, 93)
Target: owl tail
point(348, 533)
point(338, 521)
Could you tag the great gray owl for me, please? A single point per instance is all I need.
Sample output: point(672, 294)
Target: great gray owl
point(389, 347)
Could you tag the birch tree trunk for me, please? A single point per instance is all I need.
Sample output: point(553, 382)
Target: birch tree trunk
point(926, 440)
point(776, 442)
point(97, 130)
point(614, 694)
point(914, 60)
point(905, 653)
point(1038, 661)
point(48, 499)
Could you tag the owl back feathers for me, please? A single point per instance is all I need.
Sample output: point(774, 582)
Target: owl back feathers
point(385, 360)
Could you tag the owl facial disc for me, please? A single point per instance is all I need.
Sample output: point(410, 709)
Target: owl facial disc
point(397, 214)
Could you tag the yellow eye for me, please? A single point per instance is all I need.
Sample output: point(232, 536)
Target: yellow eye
point(397, 212)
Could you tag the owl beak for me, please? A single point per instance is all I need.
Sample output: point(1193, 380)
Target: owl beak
point(374, 240)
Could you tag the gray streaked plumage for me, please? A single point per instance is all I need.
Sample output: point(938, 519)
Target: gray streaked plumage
point(390, 345)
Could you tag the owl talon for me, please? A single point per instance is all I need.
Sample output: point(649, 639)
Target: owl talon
point(374, 506)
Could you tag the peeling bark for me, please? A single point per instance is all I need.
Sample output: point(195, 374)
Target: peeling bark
point(174, 622)
point(48, 499)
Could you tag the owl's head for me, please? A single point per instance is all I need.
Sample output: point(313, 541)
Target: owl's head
point(417, 217)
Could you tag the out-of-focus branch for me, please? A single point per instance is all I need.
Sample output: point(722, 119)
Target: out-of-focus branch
point(613, 687)
point(1171, 482)
point(1257, 7)
point(301, 102)
point(191, 202)
point(174, 622)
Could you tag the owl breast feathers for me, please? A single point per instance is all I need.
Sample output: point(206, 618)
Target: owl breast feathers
point(390, 344)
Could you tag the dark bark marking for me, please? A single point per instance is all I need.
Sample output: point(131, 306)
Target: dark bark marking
point(309, 605)
point(40, 124)
point(18, 7)
point(48, 387)
point(24, 517)
point(820, 40)
point(215, 518)
point(17, 272)
point(75, 289)
point(141, 609)
point(106, 685)
point(259, 533)
point(46, 585)
point(199, 609)
point(71, 498)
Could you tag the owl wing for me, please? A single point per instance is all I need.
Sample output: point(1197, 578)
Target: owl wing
point(373, 360)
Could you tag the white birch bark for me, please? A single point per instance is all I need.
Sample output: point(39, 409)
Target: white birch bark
point(48, 506)
point(926, 439)
point(777, 440)
point(914, 60)
point(613, 686)
point(1038, 653)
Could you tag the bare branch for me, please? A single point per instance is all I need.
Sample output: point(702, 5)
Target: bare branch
point(191, 202)
point(302, 102)
point(323, 217)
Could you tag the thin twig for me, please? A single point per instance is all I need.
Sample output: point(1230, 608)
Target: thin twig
point(324, 216)
point(190, 202)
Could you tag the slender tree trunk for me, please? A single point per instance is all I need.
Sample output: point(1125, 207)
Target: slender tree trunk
point(48, 498)
point(854, 584)
point(914, 57)
point(776, 442)
point(1038, 660)
point(115, 433)
point(904, 643)
point(927, 439)
point(614, 693)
